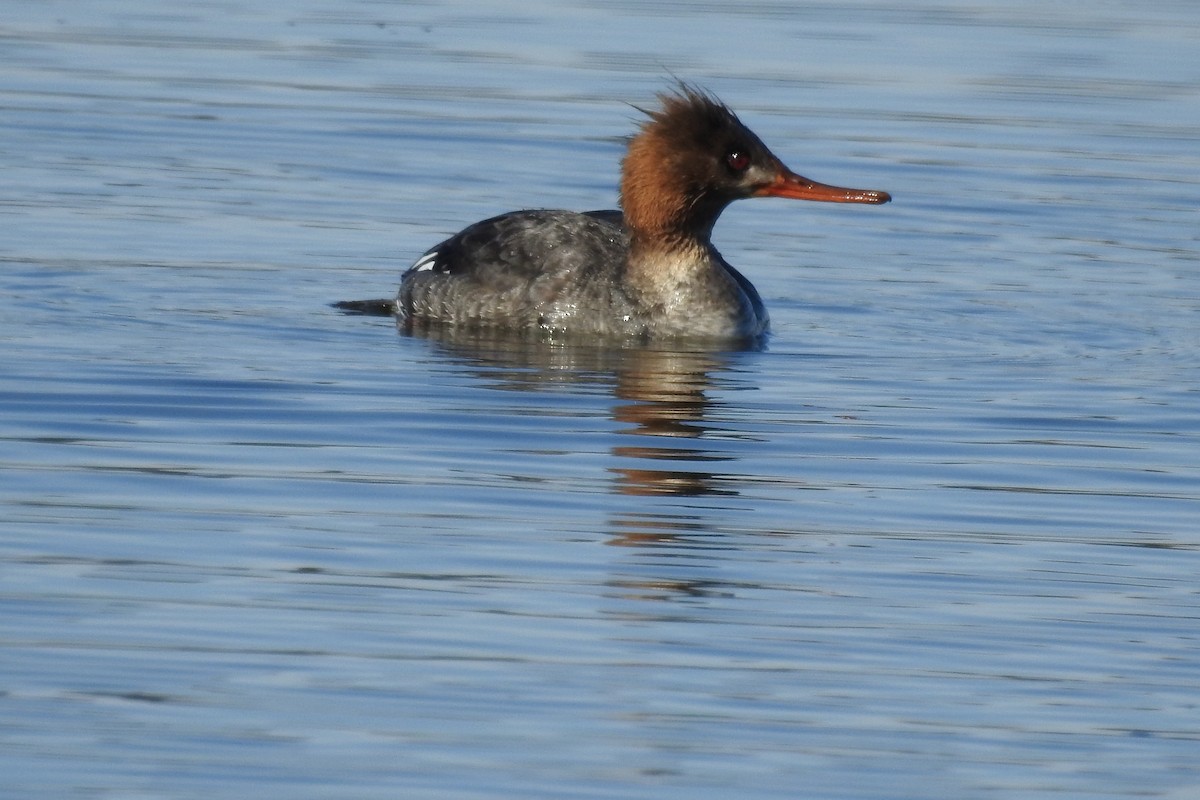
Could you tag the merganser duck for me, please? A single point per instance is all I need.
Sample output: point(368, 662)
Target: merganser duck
point(646, 272)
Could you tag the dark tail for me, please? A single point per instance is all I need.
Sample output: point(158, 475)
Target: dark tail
point(371, 308)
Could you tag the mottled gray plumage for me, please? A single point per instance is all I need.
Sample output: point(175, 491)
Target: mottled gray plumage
point(546, 270)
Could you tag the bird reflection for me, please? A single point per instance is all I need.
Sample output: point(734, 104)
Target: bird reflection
point(661, 399)
point(663, 394)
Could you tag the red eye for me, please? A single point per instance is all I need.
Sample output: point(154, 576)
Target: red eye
point(737, 160)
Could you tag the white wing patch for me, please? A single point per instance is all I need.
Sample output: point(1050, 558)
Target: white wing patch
point(425, 263)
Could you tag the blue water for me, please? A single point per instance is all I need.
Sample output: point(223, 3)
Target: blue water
point(939, 539)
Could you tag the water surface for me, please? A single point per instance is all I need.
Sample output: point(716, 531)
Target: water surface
point(938, 539)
